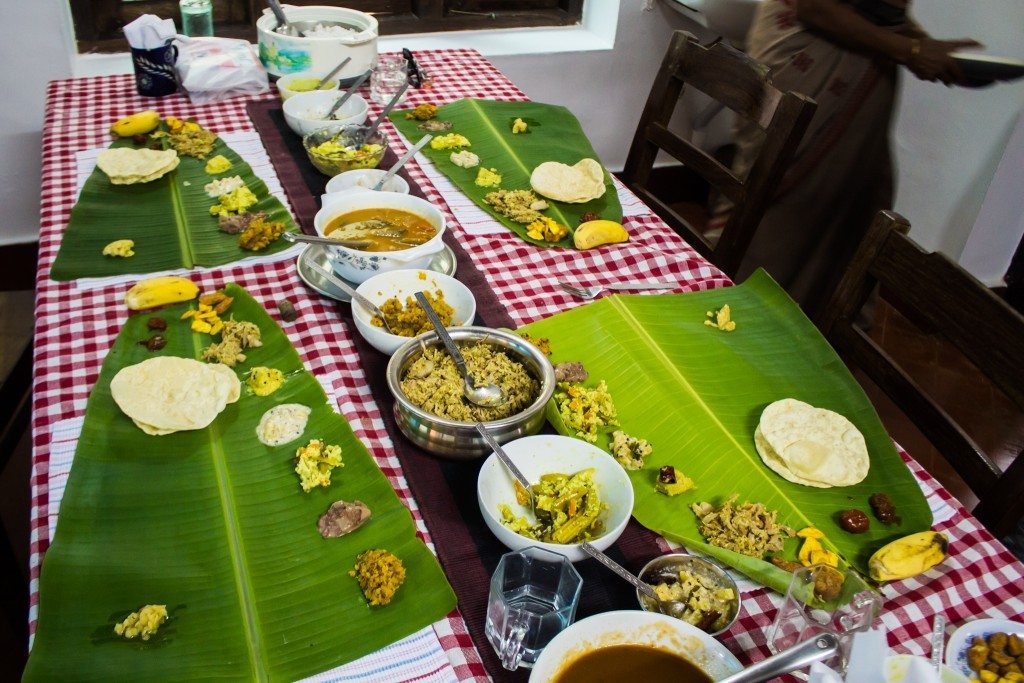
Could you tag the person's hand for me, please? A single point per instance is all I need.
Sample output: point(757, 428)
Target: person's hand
point(931, 60)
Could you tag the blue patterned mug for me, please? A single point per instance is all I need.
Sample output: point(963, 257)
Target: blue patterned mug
point(154, 70)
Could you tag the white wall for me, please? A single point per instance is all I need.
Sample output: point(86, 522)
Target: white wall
point(947, 141)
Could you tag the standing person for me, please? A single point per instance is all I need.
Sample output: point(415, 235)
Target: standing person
point(844, 55)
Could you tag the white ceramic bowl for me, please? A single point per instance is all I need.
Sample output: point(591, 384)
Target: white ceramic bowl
point(960, 641)
point(301, 108)
point(284, 84)
point(403, 284)
point(358, 266)
point(627, 627)
point(544, 454)
point(364, 179)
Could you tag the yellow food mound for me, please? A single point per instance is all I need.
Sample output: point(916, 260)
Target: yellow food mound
point(143, 623)
point(380, 574)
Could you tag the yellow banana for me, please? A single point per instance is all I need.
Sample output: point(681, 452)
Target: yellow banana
point(136, 124)
point(908, 556)
point(158, 291)
point(595, 233)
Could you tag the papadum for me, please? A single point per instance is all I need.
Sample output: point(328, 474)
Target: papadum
point(575, 184)
point(811, 446)
point(130, 165)
point(169, 394)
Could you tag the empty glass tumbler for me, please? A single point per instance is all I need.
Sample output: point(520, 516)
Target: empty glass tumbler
point(533, 597)
point(389, 74)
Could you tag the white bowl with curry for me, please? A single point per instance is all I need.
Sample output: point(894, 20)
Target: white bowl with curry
point(394, 292)
point(382, 232)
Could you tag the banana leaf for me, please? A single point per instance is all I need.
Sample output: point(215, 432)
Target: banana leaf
point(213, 524)
point(168, 218)
point(554, 134)
point(696, 394)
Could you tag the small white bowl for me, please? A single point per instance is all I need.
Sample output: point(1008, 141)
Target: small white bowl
point(544, 454)
point(284, 84)
point(365, 179)
point(403, 284)
point(301, 108)
point(358, 266)
point(633, 627)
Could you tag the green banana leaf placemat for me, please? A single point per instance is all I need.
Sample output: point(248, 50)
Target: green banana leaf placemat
point(168, 219)
point(213, 524)
point(696, 393)
point(554, 134)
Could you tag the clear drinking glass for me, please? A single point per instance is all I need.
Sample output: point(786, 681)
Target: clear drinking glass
point(388, 76)
point(804, 615)
point(534, 593)
point(196, 17)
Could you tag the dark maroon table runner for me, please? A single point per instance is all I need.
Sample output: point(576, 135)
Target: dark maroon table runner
point(445, 490)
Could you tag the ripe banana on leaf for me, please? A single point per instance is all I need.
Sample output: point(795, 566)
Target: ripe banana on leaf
point(136, 124)
point(908, 556)
point(159, 291)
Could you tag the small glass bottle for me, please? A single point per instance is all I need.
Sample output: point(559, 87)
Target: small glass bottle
point(196, 17)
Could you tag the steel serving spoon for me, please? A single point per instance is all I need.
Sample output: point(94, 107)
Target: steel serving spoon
point(520, 478)
point(384, 112)
point(804, 654)
point(332, 72)
point(356, 296)
point(348, 93)
point(401, 162)
point(486, 395)
point(672, 608)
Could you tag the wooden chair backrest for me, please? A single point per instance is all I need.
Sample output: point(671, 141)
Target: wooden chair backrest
point(741, 84)
point(932, 289)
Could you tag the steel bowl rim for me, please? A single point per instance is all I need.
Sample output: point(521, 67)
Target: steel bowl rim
point(712, 566)
point(462, 333)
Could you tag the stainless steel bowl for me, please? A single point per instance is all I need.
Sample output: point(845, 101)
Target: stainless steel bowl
point(459, 440)
point(673, 563)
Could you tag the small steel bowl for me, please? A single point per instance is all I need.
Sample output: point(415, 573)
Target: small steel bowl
point(460, 440)
point(670, 565)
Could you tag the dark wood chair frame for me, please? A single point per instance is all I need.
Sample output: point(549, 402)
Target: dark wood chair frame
point(742, 84)
point(937, 292)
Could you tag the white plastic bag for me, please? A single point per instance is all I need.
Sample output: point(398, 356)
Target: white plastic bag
point(214, 69)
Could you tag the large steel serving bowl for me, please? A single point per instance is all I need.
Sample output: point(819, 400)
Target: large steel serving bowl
point(460, 440)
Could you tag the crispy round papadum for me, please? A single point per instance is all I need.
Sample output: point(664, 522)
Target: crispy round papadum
point(129, 165)
point(811, 446)
point(169, 394)
point(575, 184)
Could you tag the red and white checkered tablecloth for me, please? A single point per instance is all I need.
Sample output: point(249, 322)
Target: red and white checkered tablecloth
point(75, 328)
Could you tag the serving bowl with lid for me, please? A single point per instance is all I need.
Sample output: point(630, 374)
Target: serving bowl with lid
point(282, 54)
point(303, 111)
point(460, 440)
point(358, 266)
point(543, 454)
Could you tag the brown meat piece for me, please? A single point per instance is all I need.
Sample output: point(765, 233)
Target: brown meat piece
point(342, 518)
point(785, 564)
point(236, 224)
point(572, 372)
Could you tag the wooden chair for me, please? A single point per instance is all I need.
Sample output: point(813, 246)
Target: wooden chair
point(932, 289)
point(741, 84)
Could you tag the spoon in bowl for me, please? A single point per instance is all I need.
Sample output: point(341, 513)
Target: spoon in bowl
point(330, 74)
point(486, 395)
point(348, 93)
point(356, 296)
point(522, 484)
point(401, 162)
point(672, 608)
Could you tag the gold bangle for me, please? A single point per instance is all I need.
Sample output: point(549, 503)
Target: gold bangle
point(915, 47)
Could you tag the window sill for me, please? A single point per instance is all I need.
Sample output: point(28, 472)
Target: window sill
point(595, 32)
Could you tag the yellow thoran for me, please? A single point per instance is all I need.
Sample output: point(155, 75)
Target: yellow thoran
point(143, 623)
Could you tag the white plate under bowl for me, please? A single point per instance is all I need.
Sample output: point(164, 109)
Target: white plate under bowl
point(443, 262)
point(640, 628)
point(960, 641)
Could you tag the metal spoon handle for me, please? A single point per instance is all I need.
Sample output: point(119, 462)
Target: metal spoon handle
point(401, 162)
point(348, 93)
point(386, 110)
point(344, 286)
point(446, 338)
point(619, 569)
point(502, 455)
point(938, 640)
point(275, 7)
point(331, 73)
point(325, 241)
point(797, 657)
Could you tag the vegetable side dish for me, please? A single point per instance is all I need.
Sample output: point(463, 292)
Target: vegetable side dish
point(569, 509)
